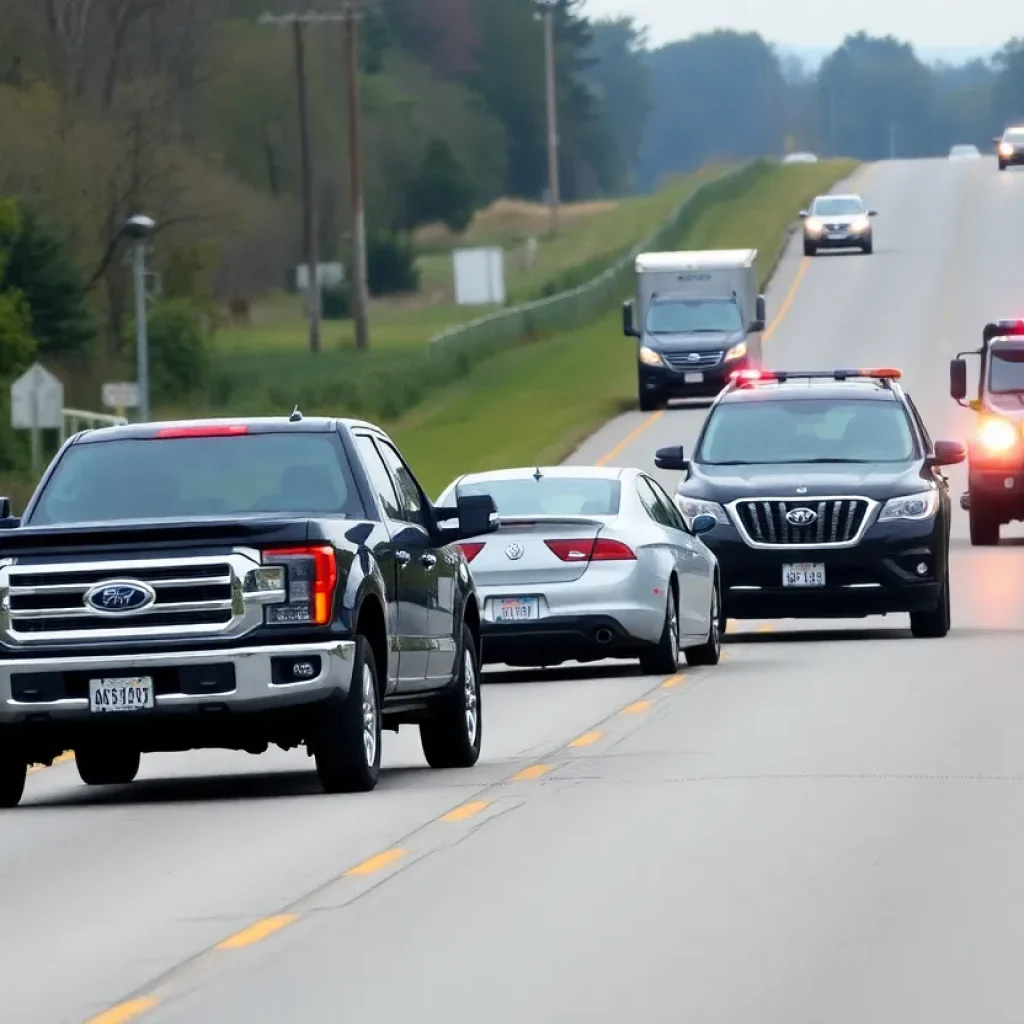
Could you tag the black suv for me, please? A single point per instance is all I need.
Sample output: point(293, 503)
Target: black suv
point(829, 497)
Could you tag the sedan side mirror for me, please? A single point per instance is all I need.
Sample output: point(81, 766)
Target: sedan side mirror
point(948, 453)
point(803, 214)
point(958, 379)
point(997, 140)
point(703, 524)
point(628, 328)
point(872, 213)
point(671, 458)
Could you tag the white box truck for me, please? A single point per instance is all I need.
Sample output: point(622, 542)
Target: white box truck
point(697, 317)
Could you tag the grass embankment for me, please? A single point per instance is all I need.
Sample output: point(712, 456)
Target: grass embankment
point(537, 402)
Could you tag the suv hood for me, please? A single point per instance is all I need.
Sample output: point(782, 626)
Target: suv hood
point(698, 341)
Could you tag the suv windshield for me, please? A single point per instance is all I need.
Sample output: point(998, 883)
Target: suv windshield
point(694, 316)
point(836, 207)
point(548, 496)
point(807, 430)
point(179, 478)
point(1006, 370)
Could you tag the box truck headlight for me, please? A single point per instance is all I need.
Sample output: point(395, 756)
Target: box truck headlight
point(650, 357)
point(736, 352)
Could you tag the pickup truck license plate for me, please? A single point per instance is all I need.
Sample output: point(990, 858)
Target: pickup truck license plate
point(693, 378)
point(803, 574)
point(515, 609)
point(131, 693)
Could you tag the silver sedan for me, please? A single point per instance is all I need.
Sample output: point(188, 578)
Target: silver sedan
point(591, 563)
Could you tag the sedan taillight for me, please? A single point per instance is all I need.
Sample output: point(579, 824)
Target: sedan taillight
point(594, 550)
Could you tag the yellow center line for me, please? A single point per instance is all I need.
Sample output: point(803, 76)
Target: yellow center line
point(68, 755)
point(535, 771)
point(587, 738)
point(630, 437)
point(377, 862)
point(465, 811)
point(124, 1012)
point(674, 681)
point(636, 708)
point(788, 300)
point(258, 932)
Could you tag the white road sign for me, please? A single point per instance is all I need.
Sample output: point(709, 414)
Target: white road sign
point(121, 395)
point(37, 400)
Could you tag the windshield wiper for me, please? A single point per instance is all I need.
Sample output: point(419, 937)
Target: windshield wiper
point(808, 462)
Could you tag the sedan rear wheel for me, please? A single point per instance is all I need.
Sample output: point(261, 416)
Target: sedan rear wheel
point(709, 652)
point(664, 658)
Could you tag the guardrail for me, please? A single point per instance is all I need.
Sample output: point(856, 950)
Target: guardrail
point(74, 420)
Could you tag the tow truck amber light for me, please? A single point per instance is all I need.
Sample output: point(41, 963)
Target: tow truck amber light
point(597, 550)
point(997, 436)
point(211, 430)
point(312, 577)
point(471, 550)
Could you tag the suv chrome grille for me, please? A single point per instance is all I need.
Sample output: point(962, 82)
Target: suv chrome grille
point(802, 522)
point(682, 360)
point(190, 596)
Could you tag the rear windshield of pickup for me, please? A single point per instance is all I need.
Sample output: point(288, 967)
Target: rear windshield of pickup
point(199, 477)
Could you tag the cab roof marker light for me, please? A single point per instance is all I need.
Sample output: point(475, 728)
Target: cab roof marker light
point(209, 430)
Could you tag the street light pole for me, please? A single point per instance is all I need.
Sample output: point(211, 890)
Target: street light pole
point(360, 297)
point(138, 229)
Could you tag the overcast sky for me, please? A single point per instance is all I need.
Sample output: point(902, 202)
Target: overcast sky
point(924, 23)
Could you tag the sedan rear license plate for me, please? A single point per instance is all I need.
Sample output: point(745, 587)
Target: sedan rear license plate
point(515, 609)
point(693, 378)
point(132, 693)
point(803, 574)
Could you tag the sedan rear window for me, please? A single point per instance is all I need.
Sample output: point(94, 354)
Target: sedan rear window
point(180, 478)
point(548, 496)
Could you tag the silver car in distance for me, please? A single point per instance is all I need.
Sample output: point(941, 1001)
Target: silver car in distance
point(591, 563)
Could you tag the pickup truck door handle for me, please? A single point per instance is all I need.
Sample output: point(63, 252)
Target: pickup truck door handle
point(428, 560)
point(403, 558)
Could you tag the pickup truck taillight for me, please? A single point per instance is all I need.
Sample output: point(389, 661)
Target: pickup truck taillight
point(311, 574)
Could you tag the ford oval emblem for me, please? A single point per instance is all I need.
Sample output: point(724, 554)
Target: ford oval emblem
point(801, 516)
point(119, 597)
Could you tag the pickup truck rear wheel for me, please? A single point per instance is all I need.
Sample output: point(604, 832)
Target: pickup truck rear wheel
point(346, 737)
point(451, 736)
point(13, 770)
point(107, 766)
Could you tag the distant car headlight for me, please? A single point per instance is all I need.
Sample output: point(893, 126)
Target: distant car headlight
point(736, 352)
point(914, 507)
point(650, 357)
point(1005, 149)
point(813, 226)
point(860, 225)
point(693, 507)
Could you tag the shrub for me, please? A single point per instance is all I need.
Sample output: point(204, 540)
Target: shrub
point(391, 265)
point(335, 303)
point(179, 349)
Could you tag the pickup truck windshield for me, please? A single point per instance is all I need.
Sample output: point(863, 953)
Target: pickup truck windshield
point(807, 430)
point(198, 477)
point(1006, 371)
point(694, 316)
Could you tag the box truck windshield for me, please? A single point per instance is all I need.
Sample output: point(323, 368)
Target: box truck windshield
point(694, 316)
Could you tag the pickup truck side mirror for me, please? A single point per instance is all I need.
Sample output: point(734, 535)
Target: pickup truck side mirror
point(628, 328)
point(476, 514)
point(757, 324)
point(671, 458)
point(958, 379)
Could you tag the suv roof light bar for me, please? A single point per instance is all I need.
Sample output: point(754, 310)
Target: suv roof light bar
point(877, 373)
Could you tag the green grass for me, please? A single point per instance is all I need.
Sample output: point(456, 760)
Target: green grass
point(536, 403)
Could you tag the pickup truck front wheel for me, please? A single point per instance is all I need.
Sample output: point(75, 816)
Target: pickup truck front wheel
point(451, 736)
point(13, 770)
point(346, 737)
point(107, 766)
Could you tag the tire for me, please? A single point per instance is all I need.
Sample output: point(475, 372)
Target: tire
point(663, 659)
point(868, 248)
point(107, 766)
point(1002, 166)
point(13, 771)
point(452, 736)
point(647, 402)
point(934, 624)
point(346, 738)
point(709, 652)
point(984, 526)
point(809, 248)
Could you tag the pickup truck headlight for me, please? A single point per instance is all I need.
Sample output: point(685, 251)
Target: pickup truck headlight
point(650, 357)
point(914, 507)
point(310, 576)
point(736, 352)
point(693, 507)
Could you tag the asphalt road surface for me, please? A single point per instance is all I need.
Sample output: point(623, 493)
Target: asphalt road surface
point(822, 829)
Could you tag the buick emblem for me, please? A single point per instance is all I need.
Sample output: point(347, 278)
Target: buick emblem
point(801, 516)
point(514, 551)
point(119, 597)
point(801, 490)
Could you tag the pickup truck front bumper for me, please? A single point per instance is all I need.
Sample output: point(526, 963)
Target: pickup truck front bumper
point(55, 687)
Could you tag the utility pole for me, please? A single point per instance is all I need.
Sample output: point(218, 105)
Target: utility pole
point(554, 187)
point(298, 22)
point(360, 297)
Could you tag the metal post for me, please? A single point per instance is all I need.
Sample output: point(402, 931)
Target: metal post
point(360, 297)
point(141, 334)
point(554, 186)
point(35, 435)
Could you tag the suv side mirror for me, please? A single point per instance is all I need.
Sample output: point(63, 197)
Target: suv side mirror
point(757, 324)
point(671, 458)
point(628, 328)
point(958, 379)
point(948, 453)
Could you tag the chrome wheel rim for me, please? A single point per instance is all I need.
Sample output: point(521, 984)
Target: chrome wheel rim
point(716, 633)
point(369, 717)
point(470, 700)
point(673, 626)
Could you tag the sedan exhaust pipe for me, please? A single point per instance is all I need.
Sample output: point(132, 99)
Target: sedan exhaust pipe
point(603, 636)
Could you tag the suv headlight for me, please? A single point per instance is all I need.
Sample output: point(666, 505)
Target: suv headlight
point(650, 357)
point(915, 507)
point(736, 352)
point(693, 507)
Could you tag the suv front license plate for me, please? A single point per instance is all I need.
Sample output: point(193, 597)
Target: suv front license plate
point(132, 693)
point(693, 378)
point(803, 574)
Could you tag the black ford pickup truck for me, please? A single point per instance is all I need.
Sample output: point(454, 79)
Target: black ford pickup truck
point(178, 586)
